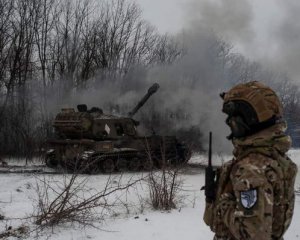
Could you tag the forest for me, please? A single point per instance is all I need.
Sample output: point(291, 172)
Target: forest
point(61, 53)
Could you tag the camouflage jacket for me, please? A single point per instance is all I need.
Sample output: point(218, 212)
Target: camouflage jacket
point(255, 193)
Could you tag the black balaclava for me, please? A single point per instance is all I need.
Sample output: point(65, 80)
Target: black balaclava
point(242, 119)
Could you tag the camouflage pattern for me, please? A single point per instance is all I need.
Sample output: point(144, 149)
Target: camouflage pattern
point(255, 193)
point(262, 98)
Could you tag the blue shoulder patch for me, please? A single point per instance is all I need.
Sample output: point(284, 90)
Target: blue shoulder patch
point(248, 198)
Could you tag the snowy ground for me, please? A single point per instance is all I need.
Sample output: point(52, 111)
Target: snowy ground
point(137, 221)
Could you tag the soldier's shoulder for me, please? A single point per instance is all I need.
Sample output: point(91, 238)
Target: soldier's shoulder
point(256, 159)
point(249, 173)
point(252, 166)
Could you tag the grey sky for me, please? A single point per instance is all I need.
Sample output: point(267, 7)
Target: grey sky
point(166, 15)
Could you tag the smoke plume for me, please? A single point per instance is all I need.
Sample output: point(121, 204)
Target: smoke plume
point(188, 98)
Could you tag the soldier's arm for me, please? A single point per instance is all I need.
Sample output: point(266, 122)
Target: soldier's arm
point(248, 211)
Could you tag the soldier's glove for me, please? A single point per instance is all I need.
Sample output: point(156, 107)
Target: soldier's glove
point(208, 216)
point(225, 202)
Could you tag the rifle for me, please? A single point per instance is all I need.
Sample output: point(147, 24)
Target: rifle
point(210, 174)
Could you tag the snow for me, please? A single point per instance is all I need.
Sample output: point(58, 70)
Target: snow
point(137, 221)
point(217, 159)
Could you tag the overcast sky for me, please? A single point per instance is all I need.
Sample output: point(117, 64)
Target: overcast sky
point(264, 30)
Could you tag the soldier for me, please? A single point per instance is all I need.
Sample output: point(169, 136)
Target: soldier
point(254, 191)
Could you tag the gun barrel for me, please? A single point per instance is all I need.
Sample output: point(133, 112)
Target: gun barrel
point(150, 92)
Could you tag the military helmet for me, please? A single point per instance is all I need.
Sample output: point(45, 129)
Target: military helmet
point(255, 105)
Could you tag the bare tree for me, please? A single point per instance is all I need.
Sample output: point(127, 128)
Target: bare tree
point(75, 202)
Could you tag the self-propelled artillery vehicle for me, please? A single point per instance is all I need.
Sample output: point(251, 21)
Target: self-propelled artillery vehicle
point(90, 141)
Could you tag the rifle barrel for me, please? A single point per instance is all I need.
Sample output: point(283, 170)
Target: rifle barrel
point(209, 149)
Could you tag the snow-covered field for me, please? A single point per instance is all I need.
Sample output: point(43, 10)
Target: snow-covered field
point(136, 221)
